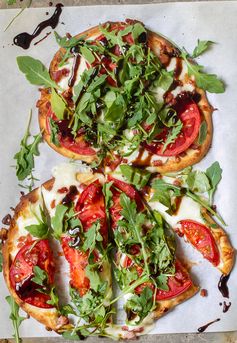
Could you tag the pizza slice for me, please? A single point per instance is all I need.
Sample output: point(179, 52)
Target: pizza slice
point(145, 259)
point(28, 264)
point(123, 93)
point(190, 216)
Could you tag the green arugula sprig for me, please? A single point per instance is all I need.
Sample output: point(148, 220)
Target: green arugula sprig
point(195, 183)
point(25, 157)
point(15, 317)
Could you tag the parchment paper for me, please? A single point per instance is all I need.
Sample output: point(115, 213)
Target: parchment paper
point(184, 23)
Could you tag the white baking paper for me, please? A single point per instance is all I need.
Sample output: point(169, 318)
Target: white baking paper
point(184, 23)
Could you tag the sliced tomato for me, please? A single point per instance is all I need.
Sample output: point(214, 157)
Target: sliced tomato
point(178, 284)
point(188, 113)
point(78, 261)
point(91, 207)
point(21, 272)
point(66, 138)
point(201, 238)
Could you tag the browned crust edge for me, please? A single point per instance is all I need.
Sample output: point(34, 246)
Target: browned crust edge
point(192, 156)
point(166, 305)
point(48, 317)
point(227, 252)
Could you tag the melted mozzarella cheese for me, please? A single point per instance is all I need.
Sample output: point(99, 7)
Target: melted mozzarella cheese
point(189, 209)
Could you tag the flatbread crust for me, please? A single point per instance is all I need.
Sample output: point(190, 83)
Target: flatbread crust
point(227, 252)
point(164, 306)
point(163, 49)
point(48, 317)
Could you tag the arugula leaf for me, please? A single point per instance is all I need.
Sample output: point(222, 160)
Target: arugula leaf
point(201, 47)
point(214, 174)
point(87, 54)
point(35, 72)
point(53, 132)
point(137, 30)
point(162, 282)
point(65, 42)
point(135, 176)
point(134, 221)
point(94, 277)
point(208, 82)
point(141, 305)
point(161, 185)
point(40, 276)
point(198, 181)
point(40, 230)
point(173, 134)
point(202, 132)
point(54, 299)
point(25, 157)
point(57, 221)
point(15, 317)
point(91, 237)
point(10, 2)
point(163, 197)
point(59, 106)
point(165, 80)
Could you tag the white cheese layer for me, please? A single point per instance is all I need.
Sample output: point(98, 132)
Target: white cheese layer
point(189, 209)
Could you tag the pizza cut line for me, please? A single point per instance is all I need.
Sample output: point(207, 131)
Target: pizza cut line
point(92, 216)
point(124, 93)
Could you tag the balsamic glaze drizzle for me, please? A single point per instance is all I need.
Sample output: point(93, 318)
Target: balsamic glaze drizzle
point(24, 39)
point(222, 285)
point(204, 327)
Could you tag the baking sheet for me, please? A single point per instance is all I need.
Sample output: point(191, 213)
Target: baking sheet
point(184, 23)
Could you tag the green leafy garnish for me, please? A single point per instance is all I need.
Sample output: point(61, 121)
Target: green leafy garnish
point(59, 106)
point(15, 317)
point(141, 305)
point(173, 134)
point(202, 132)
point(40, 230)
point(91, 237)
point(214, 174)
point(201, 47)
point(208, 82)
point(57, 220)
point(54, 132)
point(25, 157)
point(35, 72)
point(40, 276)
point(135, 176)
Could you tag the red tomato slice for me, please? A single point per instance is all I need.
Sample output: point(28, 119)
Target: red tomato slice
point(202, 239)
point(66, 139)
point(91, 207)
point(178, 284)
point(21, 272)
point(78, 261)
point(189, 114)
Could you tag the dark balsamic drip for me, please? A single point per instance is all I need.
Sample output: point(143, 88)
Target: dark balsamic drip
point(204, 327)
point(142, 162)
point(70, 196)
point(50, 4)
point(7, 219)
point(177, 204)
point(75, 67)
point(226, 307)
point(222, 285)
point(24, 39)
point(39, 41)
point(178, 67)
